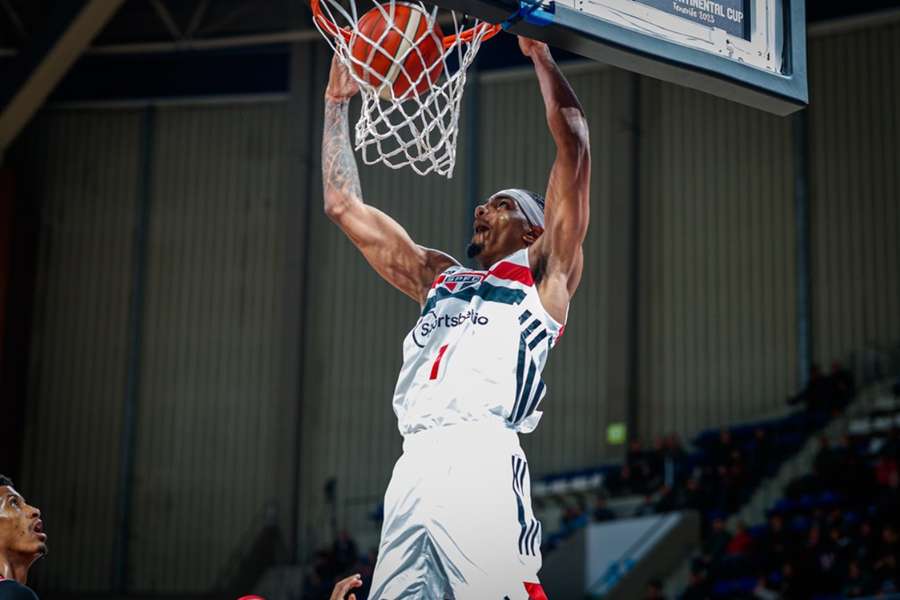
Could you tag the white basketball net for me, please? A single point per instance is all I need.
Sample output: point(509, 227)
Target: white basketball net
point(419, 128)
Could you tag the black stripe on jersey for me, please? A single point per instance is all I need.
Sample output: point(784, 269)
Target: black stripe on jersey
point(518, 466)
point(528, 537)
point(535, 399)
point(535, 541)
point(531, 327)
point(526, 393)
point(524, 317)
point(520, 373)
point(537, 339)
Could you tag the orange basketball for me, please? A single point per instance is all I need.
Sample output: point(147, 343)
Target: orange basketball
point(397, 57)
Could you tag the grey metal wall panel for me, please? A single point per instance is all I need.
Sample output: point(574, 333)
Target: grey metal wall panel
point(216, 407)
point(518, 151)
point(80, 168)
point(855, 214)
point(717, 320)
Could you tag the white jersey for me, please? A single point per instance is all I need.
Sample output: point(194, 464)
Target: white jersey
point(477, 352)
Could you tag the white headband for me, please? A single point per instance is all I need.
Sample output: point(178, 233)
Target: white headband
point(533, 211)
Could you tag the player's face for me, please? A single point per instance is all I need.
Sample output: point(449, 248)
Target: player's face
point(500, 228)
point(21, 528)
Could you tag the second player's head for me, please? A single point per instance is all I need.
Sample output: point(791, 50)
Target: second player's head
point(508, 221)
point(22, 537)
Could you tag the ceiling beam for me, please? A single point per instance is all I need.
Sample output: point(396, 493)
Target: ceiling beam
point(69, 29)
point(14, 19)
point(167, 19)
point(196, 18)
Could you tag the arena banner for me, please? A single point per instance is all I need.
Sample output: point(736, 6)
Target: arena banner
point(732, 16)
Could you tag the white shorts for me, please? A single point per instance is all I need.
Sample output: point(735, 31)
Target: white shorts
point(457, 519)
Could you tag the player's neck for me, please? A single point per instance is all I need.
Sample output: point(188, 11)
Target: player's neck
point(486, 263)
point(11, 567)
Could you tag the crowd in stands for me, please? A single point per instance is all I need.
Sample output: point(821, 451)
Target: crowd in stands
point(726, 467)
point(834, 535)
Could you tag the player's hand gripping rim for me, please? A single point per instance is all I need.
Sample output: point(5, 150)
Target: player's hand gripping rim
point(341, 86)
point(532, 48)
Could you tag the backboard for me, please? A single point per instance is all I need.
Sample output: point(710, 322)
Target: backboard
point(749, 51)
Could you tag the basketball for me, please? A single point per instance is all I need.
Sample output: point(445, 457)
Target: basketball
point(395, 49)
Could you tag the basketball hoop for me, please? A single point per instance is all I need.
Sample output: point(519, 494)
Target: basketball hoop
point(410, 75)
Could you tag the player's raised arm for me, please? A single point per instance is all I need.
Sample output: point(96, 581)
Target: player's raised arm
point(385, 244)
point(567, 209)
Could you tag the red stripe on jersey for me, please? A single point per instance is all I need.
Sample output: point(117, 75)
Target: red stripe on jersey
point(437, 281)
point(559, 335)
point(514, 272)
point(535, 591)
point(437, 362)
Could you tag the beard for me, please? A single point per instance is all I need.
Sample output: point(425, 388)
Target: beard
point(474, 250)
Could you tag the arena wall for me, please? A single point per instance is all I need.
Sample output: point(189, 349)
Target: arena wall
point(855, 182)
point(80, 169)
point(256, 307)
point(718, 313)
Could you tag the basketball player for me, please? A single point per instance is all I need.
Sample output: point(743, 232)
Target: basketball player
point(22, 541)
point(458, 521)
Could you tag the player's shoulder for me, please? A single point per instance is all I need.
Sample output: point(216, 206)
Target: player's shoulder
point(439, 261)
point(13, 590)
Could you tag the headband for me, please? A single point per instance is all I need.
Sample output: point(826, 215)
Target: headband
point(531, 204)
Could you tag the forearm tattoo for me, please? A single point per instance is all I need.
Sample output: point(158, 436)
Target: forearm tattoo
point(339, 172)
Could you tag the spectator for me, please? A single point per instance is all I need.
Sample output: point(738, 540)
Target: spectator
point(624, 483)
point(718, 540)
point(857, 583)
point(675, 459)
point(668, 501)
point(344, 552)
point(889, 500)
point(742, 542)
point(646, 508)
point(827, 463)
point(722, 449)
point(817, 393)
point(866, 543)
point(885, 571)
point(892, 444)
point(762, 591)
point(601, 512)
point(642, 477)
point(694, 498)
point(775, 546)
point(828, 560)
point(763, 457)
point(792, 585)
point(655, 590)
point(842, 382)
point(571, 517)
point(698, 587)
point(655, 459)
point(885, 470)
point(635, 455)
point(22, 542)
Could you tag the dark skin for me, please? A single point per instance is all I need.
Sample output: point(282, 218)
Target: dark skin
point(500, 228)
point(343, 587)
point(22, 537)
